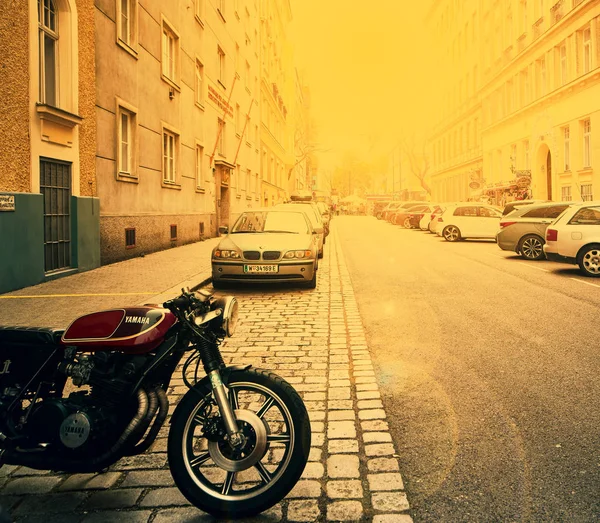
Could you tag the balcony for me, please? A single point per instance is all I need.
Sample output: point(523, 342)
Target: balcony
point(538, 28)
point(557, 11)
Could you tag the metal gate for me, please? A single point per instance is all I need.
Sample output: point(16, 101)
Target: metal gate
point(55, 186)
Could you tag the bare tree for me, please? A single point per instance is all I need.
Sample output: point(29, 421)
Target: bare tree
point(418, 160)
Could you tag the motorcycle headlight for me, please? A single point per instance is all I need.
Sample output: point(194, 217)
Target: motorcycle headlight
point(229, 317)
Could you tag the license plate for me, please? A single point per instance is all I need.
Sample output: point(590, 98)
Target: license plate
point(261, 268)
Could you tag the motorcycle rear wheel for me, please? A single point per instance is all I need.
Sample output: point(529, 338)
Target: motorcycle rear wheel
point(230, 484)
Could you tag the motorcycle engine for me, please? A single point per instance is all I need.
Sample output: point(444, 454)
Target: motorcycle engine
point(67, 423)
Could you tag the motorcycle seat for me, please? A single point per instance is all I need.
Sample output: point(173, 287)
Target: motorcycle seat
point(30, 335)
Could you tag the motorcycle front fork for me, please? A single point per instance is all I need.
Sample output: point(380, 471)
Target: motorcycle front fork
point(235, 436)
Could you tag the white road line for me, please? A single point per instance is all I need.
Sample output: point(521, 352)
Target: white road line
point(534, 267)
point(586, 282)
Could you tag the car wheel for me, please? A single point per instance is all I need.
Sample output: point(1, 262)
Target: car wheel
point(407, 224)
point(451, 233)
point(589, 260)
point(531, 247)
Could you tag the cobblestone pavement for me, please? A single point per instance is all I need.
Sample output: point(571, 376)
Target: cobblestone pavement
point(316, 341)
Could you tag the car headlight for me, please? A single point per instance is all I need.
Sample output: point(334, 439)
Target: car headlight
point(298, 254)
point(228, 319)
point(226, 253)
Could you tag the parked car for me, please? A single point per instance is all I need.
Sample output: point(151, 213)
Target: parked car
point(313, 214)
point(378, 208)
point(574, 237)
point(267, 245)
point(389, 210)
point(412, 217)
point(511, 206)
point(524, 229)
point(401, 209)
point(469, 220)
point(325, 211)
point(429, 220)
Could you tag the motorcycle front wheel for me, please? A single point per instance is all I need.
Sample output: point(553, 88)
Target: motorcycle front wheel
point(230, 483)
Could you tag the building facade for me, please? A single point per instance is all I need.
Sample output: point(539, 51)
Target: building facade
point(526, 102)
point(277, 98)
point(178, 120)
point(49, 212)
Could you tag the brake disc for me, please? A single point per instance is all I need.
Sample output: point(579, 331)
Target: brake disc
point(255, 430)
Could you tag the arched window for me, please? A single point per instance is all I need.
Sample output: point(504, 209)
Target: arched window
point(48, 45)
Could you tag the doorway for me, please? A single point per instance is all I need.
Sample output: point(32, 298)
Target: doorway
point(55, 186)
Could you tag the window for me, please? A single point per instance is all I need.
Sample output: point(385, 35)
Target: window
point(248, 78)
point(126, 22)
point(587, 143)
point(525, 86)
point(130, 237)
point(221, 137)
point(526, 154)
point(523, 15)
point(587, 51)
point(169, 156)
point(126, 140)
point(221, 8)
point(465, 211)
point(237, 119)
point(586, 216)
point(48, 42)
point(170, 53)
point(199, 86)
point(173, 232)
point(565, 193)
point(563, 64)
point(586, 192)
point(248, 181)
point(542, 88)
point(221, 63)
point(567, 147)
point(199, 167)
point(486, 212)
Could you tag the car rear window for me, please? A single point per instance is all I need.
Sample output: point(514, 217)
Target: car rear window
point(586, 216)
point(293, 222)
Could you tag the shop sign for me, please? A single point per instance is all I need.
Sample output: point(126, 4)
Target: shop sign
point(474, 185)
point(217, 99)
point(7, 202)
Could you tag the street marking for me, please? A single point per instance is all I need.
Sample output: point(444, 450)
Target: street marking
point(586, 282)
point(76, 295)
point(534, 267)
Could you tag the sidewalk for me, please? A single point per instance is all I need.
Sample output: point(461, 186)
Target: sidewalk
point(315, 340)
point(153, 278)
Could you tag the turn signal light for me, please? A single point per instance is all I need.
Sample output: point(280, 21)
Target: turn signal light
point(506, 224)
point(551, 235)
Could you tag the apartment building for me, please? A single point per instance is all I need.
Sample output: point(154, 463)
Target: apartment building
point(48, 210)
point(538, 101)
point(178, 119)
point(277, 100)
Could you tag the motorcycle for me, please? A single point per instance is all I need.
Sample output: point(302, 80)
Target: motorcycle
point(79, 400)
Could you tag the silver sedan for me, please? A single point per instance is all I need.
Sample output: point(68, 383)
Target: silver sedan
point(268, 245)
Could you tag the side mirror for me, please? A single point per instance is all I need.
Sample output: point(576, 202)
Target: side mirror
point(223, 229)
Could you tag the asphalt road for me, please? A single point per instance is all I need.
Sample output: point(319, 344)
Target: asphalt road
point(488, 366)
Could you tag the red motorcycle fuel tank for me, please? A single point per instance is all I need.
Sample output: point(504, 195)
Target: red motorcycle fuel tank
point(134, 330)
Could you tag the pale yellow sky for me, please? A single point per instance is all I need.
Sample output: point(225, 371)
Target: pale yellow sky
point(367, 68)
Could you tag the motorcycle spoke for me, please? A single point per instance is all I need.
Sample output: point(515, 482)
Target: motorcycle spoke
point(265, 475)
point(228, 483)
point(265, 407)
point(199, 460)
point(278, 438)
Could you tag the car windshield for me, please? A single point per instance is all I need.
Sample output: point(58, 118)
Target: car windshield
point(266, 222)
